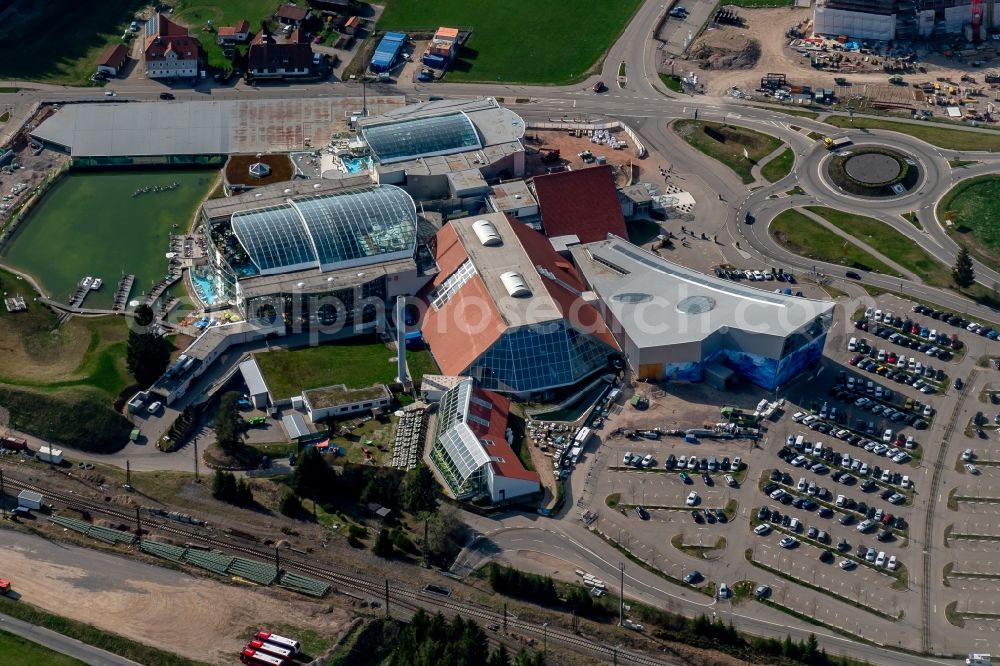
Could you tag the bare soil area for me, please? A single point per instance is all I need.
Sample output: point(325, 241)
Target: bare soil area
point(570, 147)
point(722, 55)
point(195, 617)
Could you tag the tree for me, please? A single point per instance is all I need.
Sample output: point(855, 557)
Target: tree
point(499, 657)
point(146, 355)
point(244, 494)
point(963, 272)
point(383, 544)
point(224, 486)
point(419, 490)
point(312, 476)
point(290, 505)
point(810, 649)
point(228, 424)
point(444, 534)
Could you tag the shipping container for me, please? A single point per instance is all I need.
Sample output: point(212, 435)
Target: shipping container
point(49, 455)
point(29, 499)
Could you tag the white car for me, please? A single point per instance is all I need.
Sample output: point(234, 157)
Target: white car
point(887, 435)
point(788, 542)
point(762, 530)
point(891, 564)
point(737, 464)
point(967, 455)
point(692, 498)
point(972, 469)
point(847, 565)
point(647, 460)
point(723, 591)
point(155, 407)
point(880, 560)
point(798, 416)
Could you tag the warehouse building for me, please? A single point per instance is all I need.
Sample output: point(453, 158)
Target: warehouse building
point(885, 20)
point(387, 51)
point(472, 447)
point(509, 312)
point(314, 254)
point(583, 203)
point(674, 323)
point(446, 148)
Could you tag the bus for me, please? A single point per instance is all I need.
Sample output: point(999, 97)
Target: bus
point(271, 649)
point(280, 641)
point(251, 656)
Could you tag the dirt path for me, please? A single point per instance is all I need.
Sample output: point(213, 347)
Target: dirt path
point(194, 617)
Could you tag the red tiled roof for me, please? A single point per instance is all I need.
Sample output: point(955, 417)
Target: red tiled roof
point(583, 317)
point(583, 203)
point(292, 12)
point(465, 328)
point(505, 462)
point(238, 29)
point(113, 56)
point(170, 36)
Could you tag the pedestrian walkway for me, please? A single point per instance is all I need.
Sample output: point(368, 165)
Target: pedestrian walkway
point(861, 244)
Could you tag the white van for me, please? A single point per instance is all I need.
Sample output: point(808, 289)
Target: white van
point(818, 449)
point(852, 345)
point(800, 442)
point(795, 525)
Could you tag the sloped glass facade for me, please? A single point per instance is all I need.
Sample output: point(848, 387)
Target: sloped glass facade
point(421, 137)
point(538, 358)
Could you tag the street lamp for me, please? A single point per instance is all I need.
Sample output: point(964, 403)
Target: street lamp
point(545, 638)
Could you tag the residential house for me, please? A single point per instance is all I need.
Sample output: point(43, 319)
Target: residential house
point(168, 50)
point(268, 59)
point(351, 25)
point(292, 15)
point(234, 34)
point(112, 60)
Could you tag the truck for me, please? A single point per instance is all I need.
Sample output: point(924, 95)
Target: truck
point(978, 660)
point(833, 144)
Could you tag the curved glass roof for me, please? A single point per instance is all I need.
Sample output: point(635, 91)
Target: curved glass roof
point(422, 137)
point(331, 230)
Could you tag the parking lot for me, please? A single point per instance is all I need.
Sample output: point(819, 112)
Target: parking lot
point(880, 423)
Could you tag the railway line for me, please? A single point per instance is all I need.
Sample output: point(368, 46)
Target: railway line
point(345, 579)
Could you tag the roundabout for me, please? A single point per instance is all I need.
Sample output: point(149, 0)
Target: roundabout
point(873, 172)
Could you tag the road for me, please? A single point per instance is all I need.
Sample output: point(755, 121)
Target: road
point(62, 644)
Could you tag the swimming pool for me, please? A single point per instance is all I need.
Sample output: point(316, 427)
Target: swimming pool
point(205, 286)
point(356, 164)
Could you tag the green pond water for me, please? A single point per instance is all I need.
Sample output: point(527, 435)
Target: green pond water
point(90, 224)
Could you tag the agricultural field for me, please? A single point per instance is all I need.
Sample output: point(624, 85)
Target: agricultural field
point(60, 41)
point(518, 41)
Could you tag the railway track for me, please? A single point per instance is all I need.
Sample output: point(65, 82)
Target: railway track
point(925, 590)
point(399, 595)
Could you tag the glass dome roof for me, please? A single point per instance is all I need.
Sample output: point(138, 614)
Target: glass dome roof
point(421, 137)
point(330, 230)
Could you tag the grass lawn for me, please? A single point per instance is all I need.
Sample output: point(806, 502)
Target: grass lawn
point(953, 139)
point(779, 167)
point(672, 82)
point(421, 363)
point(806, 238)
point(60, 41)
point(759, 3)
point(195, 14)
point(729, 150)
point(973, 206)
point(518, 41)
point(39, 353)
point(355, 364)
point(16, 651)
point(890, 242)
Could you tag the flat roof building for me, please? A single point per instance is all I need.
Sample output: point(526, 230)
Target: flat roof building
point(472, 447)
point(419, 146)
point(509, 312)
point(672, 322)
point(387, 51)
point(583, 202)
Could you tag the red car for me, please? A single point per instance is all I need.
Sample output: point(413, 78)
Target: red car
point(599, 87)
point(856, 359)
point(318, 39)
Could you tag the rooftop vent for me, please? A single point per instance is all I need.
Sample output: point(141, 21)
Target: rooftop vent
point(487, 233)
point(515, 284)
